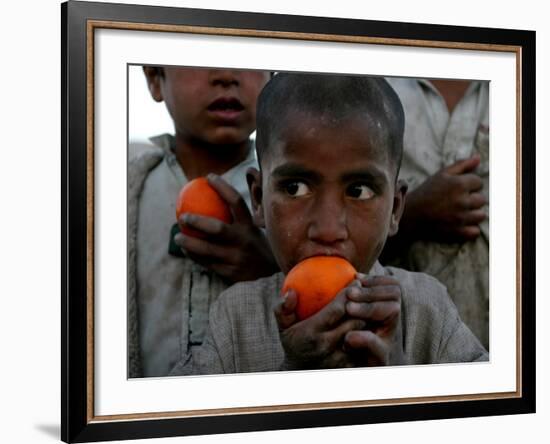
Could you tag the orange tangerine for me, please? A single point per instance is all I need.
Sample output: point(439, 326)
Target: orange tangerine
point(199, 197)
point(316, 281)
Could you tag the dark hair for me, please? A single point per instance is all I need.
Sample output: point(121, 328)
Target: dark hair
point(337, 96)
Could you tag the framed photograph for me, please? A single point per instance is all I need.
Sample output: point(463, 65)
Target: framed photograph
point(114, 387)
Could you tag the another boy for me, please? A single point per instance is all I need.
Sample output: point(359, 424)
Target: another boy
point(445, 227)
point(170, 289)
point(329, 149)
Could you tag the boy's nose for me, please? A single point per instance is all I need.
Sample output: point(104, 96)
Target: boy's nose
point(328, 222)
point(224, 77)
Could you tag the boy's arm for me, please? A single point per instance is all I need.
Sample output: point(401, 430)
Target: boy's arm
point(238, 251)
point(434, 331)
point(459, 344)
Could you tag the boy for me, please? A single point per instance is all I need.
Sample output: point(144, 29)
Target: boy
point(329, 149)
point(171, 289)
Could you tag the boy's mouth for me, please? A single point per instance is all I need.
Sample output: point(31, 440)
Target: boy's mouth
point(315, 253)
point(324, 252)
point(226, 108)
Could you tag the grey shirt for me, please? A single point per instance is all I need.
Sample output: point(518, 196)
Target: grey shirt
point(243, 335)
point(172, 294)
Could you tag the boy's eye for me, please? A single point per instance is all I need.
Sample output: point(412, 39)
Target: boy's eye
point(296, 188)
point(360, 191)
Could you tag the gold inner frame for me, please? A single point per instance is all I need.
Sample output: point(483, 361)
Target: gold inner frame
point(92, 25)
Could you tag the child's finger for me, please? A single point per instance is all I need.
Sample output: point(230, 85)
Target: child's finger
point(331, 314)
point(202, 250)
point(386, 312)
point(476, 201)
point(285, 310)
point(233, 198)
point(376, 349)
point(345, 327)
point(374, 294)
point(208, 225)
point(332, 343)
point(464, 166)
point(468, 232)
point(374, 281)
point(471, 182)
point(474, 217)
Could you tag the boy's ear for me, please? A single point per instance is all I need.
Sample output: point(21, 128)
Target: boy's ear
point(254, 180)
point(398, 206)
point(154, 76)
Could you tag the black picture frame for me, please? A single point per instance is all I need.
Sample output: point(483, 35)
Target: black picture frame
point(78, 423)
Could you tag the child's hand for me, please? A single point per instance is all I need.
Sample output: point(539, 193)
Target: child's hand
point(318, 341)
point(237, 251)
point(377, 301)
point(447, 207)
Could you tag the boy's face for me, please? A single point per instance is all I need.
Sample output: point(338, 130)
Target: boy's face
point(324, 190)
point(216, 106)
